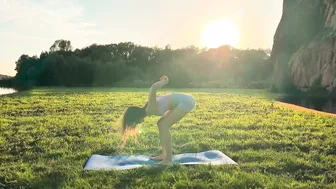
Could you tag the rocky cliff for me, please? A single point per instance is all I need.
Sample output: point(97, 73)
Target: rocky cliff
point(304, 46)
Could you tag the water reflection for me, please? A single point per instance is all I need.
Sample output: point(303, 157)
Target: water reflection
point(320, 104)
point(6, 91)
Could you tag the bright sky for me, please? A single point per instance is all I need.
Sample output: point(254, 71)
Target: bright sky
point(31, 26)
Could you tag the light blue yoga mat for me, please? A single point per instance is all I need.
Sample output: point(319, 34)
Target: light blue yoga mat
point(123, 162)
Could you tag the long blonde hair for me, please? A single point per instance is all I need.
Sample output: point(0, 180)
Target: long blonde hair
point(132, 116)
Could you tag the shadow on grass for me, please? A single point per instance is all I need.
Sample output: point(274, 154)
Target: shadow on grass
point(53, 179)
point(123, 178)
point(131, 178)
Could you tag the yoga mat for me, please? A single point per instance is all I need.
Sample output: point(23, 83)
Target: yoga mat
point(123, 162)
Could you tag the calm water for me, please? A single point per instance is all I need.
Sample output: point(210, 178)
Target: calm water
point(6, 91)
point(320, 104)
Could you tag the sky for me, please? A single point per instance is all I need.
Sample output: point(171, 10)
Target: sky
point(32, 26)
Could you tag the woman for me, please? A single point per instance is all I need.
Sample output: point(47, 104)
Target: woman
point(172, 107)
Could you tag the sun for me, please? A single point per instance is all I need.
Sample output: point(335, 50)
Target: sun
point(220, 33)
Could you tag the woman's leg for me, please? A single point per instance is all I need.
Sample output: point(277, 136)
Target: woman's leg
point(163, 154)
point(187, 104)
point(164, 125)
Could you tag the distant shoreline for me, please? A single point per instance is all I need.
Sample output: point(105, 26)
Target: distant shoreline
point(300, 108)
point(5, 76)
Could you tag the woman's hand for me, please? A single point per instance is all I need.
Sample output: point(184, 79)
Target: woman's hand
point(163, 81)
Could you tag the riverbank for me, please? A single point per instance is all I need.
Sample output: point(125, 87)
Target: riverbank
point(300, 108)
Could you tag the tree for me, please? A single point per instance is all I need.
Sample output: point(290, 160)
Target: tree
point(61, 45)
point(126, 64)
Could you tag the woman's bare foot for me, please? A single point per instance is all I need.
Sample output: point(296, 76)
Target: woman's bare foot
point(165, 162)
point(160, 157)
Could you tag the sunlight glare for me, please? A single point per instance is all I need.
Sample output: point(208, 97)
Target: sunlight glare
point(220, 33)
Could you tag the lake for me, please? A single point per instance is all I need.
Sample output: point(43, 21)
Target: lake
point(321, 104)
point(6, 91)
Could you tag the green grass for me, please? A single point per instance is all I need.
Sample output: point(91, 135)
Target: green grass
point(46, 135)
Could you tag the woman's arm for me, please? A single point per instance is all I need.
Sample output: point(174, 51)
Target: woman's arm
point(152, 103)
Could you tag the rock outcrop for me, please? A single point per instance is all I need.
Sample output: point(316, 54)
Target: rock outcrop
point(304, 46)
point(314, 66)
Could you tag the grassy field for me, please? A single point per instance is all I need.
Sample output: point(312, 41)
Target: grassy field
point(46, 135)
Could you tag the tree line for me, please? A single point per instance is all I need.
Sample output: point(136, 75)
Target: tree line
point(129, 65)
